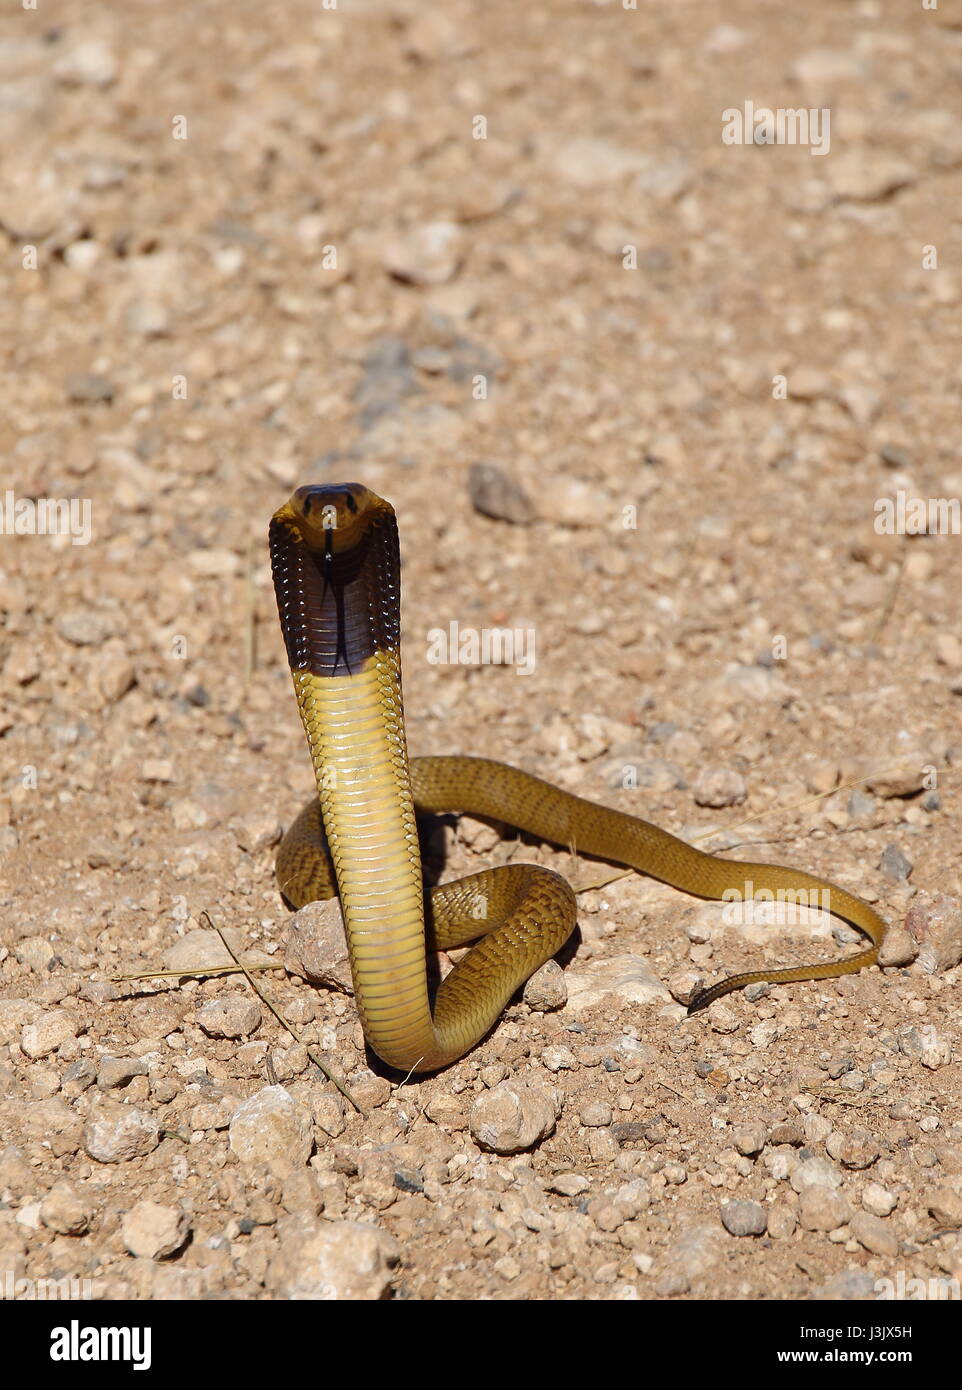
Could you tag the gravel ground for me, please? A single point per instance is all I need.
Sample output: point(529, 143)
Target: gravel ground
point(485, 259)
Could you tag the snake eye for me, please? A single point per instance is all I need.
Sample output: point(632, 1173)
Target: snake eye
point(351, 504)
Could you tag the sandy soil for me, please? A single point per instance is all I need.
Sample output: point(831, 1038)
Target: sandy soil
point(250, 246)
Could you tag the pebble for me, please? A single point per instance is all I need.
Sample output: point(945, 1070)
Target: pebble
point(872, 1232)
point(878, 1200)
point(50, 1032)
point(750, 1139)
point(869, 176)
point(688, 1258)
point(35, 952)
point(815, 1172)
point(898, 948)
point(514, 1116)
point(850, 1285)
point(14, 1014)
point(907, 775)
point(573, 502)
point(589, 161)
point(315, 947)
point(84, 629)
point(547, 989)
point(89, 388)
point(428, 254)
point(66, 1210)
point(782, 1221)
point(153, 1232)
point(120, 1133)
point(256, 831)
point(272, 1127)
point(684, 984)
point(945, 1205)
point(822, 1209)
point(934, 923)
point(117, 1071)
point(744, 1218)
point(948, 650)
point(493, 493)
point(233, 1016)
point(201, 948)
point(596, 1113)
point(90, 63)
point(895, 865)
point(331, 1261)
point(855, 1149)
point(387, 380)
point(568, 1184)
point(625, 977)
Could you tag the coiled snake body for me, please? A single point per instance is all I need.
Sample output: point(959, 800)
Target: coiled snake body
point(335, 559)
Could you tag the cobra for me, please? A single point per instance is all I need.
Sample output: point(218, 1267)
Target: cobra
point(336, 566)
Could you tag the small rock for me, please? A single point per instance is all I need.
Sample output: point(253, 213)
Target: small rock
point(513, 1116)
point(626, 978)
point(49, 1032)
point(35, 952)
point(117, 1071)
point(750, 1139)
point(65, 1210)
point(272, 1127)
point(428, 254)
point(744, 1218)
point(898, 948)
point(257, 830)
point(589, 161)
point(815, 1172)
point(84, 629)
point(596, 1113)
point(908, 773)
point(496, 495)
point(116, 1135)
point(821, 1209)
point(233, 1016)
point(855, 1149)
point(200, 948)
point(573, 502)
point(934, 922)
point(568, 1184)
point(88, 387)
point(692, 1256)
point(878, 1200)
point(90, 63)
point(14, 1014)
point(850, 1285)
point(872, 1232)
point(316, 947)
point(808, 384)
point(331, 1261)
point(895, 865)
point(945, 1205)
point(152, 1231)
point(782, 1221)
point(547, 989)
point(719, 786)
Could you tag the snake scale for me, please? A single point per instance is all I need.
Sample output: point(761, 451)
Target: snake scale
point(336, 566)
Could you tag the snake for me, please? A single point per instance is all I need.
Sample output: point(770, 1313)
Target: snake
point(335, 560)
